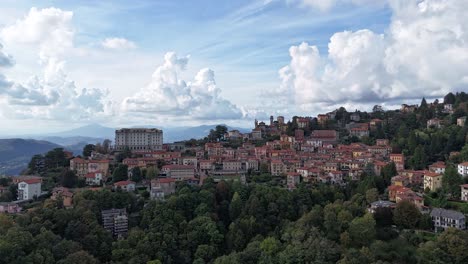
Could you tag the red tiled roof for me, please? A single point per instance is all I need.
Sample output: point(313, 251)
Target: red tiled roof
point(32, 181)
point(165, 180)
point(432, 174)
point(123, 183)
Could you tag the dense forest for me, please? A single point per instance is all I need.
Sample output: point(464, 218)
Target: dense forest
point(231, 223)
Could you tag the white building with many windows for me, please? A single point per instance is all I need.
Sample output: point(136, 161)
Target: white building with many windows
point(463, 169)
point(444, 219)
point(139, 139)
point(29, 189)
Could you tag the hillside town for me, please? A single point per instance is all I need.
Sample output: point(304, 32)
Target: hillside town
point(345, 150)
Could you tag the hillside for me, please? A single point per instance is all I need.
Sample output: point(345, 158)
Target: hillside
point(16, 153)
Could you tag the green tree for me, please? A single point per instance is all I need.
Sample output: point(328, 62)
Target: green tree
point(120, 173)
point(88, 149)
point(406, 214)
point(372, 195)
point(136, 174)
point(387, 172)
point(80, 257)
point(151, 173)
point(235, 207)
point(449, 98)
point(68, 178)
point(451, 181)
point(419, 159)
point(362, 230)
point(450, 247)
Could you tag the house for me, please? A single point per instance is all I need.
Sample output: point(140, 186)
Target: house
point(293, 179)
point(115, 221)
point(408, 108)
point(10, 208)
point(461, 121)
point(434, 122)
point(374, 123)
point(29, 189)
point(64, 194)
point(79, 166)
point(127, 186)
point(464, 192)
point(355, 117)
point(443, 219)
point(448, 108)
point(381, 142)
point(400, 180)
point(276, 167)
point(463, 169)
point(408, 195)
point(437, 167)
point(394, 189)
point(432, 181)
point(302, 122)
point(99, 166)
point(397, 158)
point(380, 204)
point(94, 178)
point(162, 187)
point(320, 137)
point(232, 165)
point(18, 179)
point(322, 119)
point(359, 132)
point(178, 172)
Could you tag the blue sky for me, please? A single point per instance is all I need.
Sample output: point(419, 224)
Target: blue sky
point(245, 44)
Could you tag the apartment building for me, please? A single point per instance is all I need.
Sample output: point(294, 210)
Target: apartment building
point(115, 221)
point(139, 139)
point(29, 189)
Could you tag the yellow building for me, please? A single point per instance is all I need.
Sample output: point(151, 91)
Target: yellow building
point(432, 180)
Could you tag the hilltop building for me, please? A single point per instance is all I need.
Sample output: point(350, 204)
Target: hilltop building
point(29, 189)
point(139, 139)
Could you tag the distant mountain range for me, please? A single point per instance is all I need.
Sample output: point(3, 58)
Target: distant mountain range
point(15, 153)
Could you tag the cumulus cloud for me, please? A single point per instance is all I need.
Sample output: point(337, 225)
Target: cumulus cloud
point(118, 44)
point(168, 94)
point(423, 53)
point(48, 28)
point(5, 59)
point(5, 62)
point(52, 95)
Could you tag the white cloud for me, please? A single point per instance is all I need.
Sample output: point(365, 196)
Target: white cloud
point(118, 44)
point(51, 95)
point(423, 53)
point(5, 59)
point(49, 29)
point(169, 95)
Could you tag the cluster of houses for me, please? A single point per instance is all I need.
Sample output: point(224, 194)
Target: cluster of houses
point(315, 158)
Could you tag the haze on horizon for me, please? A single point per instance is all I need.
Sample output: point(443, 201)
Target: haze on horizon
point(174, 63)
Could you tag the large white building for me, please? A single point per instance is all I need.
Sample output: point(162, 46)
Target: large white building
point(29, 189)
point(139, 139)
point(463, 169)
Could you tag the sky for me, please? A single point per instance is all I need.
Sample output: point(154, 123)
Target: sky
point(65, 64)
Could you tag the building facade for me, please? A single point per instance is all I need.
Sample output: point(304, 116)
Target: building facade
point(139, 139)
point(29, 189)
point(115, 221)
point(443, 219)
point(463, 169)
